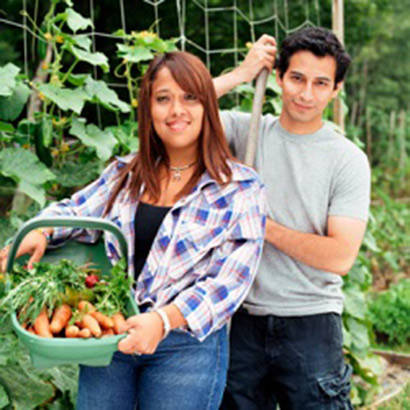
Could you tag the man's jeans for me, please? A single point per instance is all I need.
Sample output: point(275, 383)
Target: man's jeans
point(183, 374)
point(294, 361)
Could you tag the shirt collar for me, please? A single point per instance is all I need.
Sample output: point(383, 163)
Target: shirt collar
point(240, 172)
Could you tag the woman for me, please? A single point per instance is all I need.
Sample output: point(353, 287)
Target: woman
point(194, 221)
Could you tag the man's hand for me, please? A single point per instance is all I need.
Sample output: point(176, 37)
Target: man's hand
point(261, 55)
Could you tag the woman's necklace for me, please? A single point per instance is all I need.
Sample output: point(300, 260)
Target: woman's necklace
point(177, 170)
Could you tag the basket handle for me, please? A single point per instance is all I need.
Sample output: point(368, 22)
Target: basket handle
point(69, 222)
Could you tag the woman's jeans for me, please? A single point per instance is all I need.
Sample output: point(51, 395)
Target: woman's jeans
point(183, 374)
point(296, 362)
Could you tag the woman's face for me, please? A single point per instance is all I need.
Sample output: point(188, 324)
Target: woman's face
point(176, 114)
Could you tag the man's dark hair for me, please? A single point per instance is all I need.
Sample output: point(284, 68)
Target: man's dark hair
point(319, 41)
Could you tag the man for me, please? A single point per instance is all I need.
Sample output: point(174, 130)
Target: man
point(286, 340)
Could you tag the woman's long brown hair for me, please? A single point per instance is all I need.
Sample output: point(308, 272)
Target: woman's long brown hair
point(194, 78)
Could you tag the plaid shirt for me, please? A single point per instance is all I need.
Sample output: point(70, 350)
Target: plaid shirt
point(205, 254)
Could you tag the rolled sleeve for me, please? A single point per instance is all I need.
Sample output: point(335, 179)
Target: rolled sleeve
point(90, 201)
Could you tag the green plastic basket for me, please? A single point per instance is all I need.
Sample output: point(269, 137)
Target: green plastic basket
point(46, 352)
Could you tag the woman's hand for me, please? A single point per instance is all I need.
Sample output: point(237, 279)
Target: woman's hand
point(145, 332)
point(34, 244)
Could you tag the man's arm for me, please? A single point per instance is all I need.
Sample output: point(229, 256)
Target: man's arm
point(261, 55)
point(335, 252)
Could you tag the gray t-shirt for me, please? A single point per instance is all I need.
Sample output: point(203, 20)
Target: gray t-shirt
point(308, 178)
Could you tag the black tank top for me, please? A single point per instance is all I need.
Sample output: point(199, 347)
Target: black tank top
point(148, 219)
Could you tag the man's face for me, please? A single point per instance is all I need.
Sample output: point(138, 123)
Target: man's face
point(307, 87)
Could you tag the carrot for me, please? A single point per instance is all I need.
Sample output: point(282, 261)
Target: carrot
point(90, 323)
point(104, 321)
point(61, 317)
point(84, 333)
point(119, 322)
point(72, 331)
point(31, 330)
point(42, 324)
point(86, 306)
point(108, 332)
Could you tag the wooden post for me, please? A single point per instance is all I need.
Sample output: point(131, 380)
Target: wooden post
point(392, 142)
point(338, 28)
point(402, 142)
point(368, 134)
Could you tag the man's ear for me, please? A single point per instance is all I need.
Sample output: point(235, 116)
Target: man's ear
point(338, 88)
point(279, 79)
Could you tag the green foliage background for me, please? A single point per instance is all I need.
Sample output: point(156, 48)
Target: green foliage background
point(81, 122)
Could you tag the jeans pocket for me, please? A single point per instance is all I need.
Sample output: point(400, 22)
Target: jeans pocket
point(336, 389)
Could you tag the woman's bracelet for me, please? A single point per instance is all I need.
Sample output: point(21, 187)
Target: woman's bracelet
point(45, 233)
point(165, 321)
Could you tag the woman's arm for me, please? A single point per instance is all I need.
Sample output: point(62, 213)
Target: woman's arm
point(212, 300)
point(148, 329)
point(89, 201)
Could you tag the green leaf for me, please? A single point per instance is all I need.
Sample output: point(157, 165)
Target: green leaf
point(347, 338)
point(370, 242)
point(65, 378)
point(96, 59)
point(120, 33)
point(76, 21)
point(134, 54)
point(360, 340)
point(105, 95)
point(35, 192)
point(91, 136)
point(12, 106)
point(6, 127)
point(354, 303)
point(65, 98)
point(244, 88)
point(272, 84)
point(125, 135)
point(4, 399)
point(170, 45)
point(77, 79)
point(8, 79)
point(26, 170)
point(76, 174)
point(23, 165)
point(276, 105)
point(27, 390)
point(82, 41)
point(392, 260)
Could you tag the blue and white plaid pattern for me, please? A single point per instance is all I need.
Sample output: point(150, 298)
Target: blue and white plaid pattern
point(206, 252)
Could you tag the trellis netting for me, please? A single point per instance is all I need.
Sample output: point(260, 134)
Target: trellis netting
point(215, 30)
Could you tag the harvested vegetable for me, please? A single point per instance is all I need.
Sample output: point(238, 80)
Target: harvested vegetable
point(108, 332)
point(60, 319)
point(90, 323)
point(119, 322)
point(103, 320)
point(59, 292)
point(84, 333)
point(72, 331)
point(86, 306)
point(42, 324)
point(91, 280)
